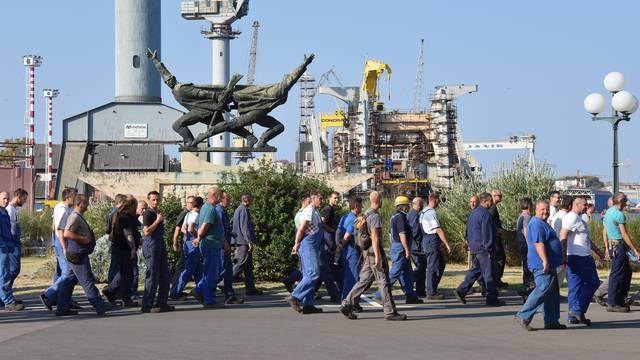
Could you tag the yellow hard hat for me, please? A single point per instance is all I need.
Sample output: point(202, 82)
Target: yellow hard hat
point(402, 200)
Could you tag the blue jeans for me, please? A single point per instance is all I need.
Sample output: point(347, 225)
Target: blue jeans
point(79, 273)
point(191, 270)
point(620, 276)
point(310, 260)
point(401, 270)
point(62, 268)
point(481, 268)
point(350, 258)
point(583, 282)
point(156, 282)
point(547, 294)
point(6, 288)
point(420, 273)
point(435, 270)
point(210, 274)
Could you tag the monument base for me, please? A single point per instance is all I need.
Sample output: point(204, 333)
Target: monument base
point(226, 149)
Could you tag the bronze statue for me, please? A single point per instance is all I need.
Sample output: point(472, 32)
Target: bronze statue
point(207, 103)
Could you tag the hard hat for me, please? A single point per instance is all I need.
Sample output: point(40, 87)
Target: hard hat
point(402, 200)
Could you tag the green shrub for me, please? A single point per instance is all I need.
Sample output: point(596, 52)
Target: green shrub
point(170, 207)
point(35, 228)
point(276, 193)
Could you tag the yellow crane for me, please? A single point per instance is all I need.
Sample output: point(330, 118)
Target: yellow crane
point(373, 69)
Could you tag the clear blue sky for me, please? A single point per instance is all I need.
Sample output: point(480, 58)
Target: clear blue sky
point(534, 62)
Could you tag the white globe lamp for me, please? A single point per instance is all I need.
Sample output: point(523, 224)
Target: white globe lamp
point(595, 103)
point(614, 81)
point(623, 102)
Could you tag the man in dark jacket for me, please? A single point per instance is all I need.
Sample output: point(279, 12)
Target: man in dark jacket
point(481, 235)
point(245, 239)
point(499, 257)
point(417, 254)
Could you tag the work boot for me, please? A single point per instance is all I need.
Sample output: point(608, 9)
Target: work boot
point(599, 299)
point(460, 296)
point(348, 311)
point(295, 304)
point(413, 300)
point(75, 305)
point(435, 297)
point(45, 301)
point(181, 297)
point(576, 318)
point(162, 308)
point(525, 324)
point(501, 284)
point(495, 303)
point(68, 312)
point(311, 310)
point(14, 307)
point(617, 308)
point(555, 327)
point(396, 317)
point(109, 295)
point(145, 310)
point(357, 308)
point(105, 308)
point(233, 300)
point(130, 304)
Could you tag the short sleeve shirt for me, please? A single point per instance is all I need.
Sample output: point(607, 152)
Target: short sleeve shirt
point(148, 218)
point(429, 221)
point(329, 213)
point(400, 225)
point(215, 234)
point(128, 222)
point(374, 223)
point(612, 219)
point(311, 215)
point(578, 242)
point(539, 231)
point(76, 224)
point(15, 222)
point(181, 217)
point(296, 219)
point(556, 221)
point(521, 224)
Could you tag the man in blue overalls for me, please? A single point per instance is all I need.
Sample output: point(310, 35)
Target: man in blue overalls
point(61, 211)
point(432, 236)
point(401, 251)
point(19, 198)
point(80, 243)
point(226, 275)
point(191, 268)
point(309, 238)
point(348, 251)
point(6, 252)
point(156, 282)
point(417, 254)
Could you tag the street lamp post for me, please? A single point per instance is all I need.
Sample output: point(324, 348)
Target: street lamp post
point(623, 104)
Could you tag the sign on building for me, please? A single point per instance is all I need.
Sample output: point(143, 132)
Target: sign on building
point(135, 131)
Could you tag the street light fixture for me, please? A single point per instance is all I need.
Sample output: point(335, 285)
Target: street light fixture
point(623, 104)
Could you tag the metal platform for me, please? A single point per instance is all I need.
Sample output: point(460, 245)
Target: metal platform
point(227, 149)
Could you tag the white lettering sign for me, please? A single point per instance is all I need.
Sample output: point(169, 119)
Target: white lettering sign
point(136, 131)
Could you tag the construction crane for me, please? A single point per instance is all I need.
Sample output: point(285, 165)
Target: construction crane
point(251, 76)
point(373, 69)
point(525, 142)
point(417, 92)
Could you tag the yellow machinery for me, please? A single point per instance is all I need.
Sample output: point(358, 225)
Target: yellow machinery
point(337, 119)
point(373, 69)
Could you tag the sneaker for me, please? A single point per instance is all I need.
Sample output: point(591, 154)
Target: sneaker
point(460, 296)
point(396, 317)
point(348, 311)
point(311, 310)
point(617, 308)
point(198, 297)
point(295, 304)
point(213, 306)
point(162, 308)
point(413, 300)
point(525, 324)
point(145, 310)
point(14, 307)
point(254, 292)
point(357, 308)
point(495, 303)
point(45, 302)
point(435, 297)
point(233, 300)
point(68, 312)
point(555, 327)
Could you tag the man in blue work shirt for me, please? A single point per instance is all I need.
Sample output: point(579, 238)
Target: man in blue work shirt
point(620, 243)
point(481, 234)
point(156, 282)
point(401, 251)
point(211, 242)
point(226, 276)
point(417, 255)
point(245, 239)
point(347, 249)
point(19, 198)
point(545, 254)
point(432, 238)
point(6, 251)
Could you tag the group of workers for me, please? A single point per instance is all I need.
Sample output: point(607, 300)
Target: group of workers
point(345, 253)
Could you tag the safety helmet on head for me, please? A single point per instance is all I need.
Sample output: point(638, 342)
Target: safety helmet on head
point(402, 200)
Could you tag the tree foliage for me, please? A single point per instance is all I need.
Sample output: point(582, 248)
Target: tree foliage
point(8, 153)
point(170, 207)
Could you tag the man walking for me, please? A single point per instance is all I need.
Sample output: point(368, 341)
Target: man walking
point(307, 246)
point(545, 254)
point(226, 276)
point(583, 277)
point(375, 265)
point(156, 283)
point(499, 256)
point(191, 268)
point(349, 251)
point(481, 230)
point(243, 229)
point(328, 274)
point(432, 238)
point(620, 243)
point(211, 242)
point(19, 198)
point(80, 243)
point(556, 224)
point(417, 254)
point(7, 248)
point(521, 235)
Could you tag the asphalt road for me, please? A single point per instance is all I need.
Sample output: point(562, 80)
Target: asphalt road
point(266, 328)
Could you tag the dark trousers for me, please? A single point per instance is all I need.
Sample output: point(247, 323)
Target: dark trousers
point(481, 267)
point(435, 270)
point(244, 265)
point(156, 283)
point(419, 273)
point(499, 259)
point(122, 264)
point(326, 275)
point(79, 274)
point(527, 276)
point(620, 276)
point(226, 277)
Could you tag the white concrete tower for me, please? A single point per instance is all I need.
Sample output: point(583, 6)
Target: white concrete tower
point(137, 28)
point(221, 14)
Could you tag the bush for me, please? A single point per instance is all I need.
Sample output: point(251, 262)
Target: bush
point(35, 228)
point(170, 207)
point(276, 195)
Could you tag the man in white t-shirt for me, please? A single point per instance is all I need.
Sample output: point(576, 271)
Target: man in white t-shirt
point(554, 203)
point(583, 277)
point(556, 223)
point(60, 214)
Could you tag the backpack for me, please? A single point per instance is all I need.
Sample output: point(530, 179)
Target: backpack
point(363, 237)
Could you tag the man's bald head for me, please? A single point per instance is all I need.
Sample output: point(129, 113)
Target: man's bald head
point(417, 203)
point(375, 199)
point(213, 195)
point(4, 199)
point(542, 209)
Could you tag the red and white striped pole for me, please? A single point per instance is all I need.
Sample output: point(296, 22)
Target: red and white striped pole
point(49, 94)
point(31, 62)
